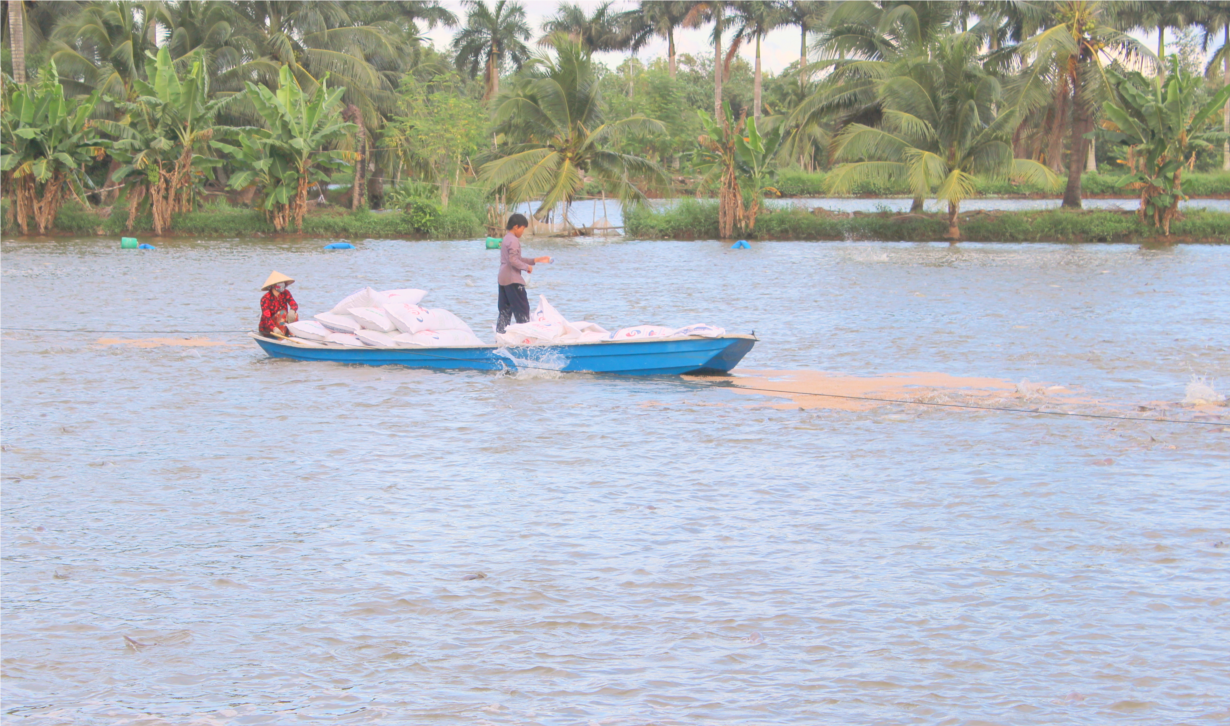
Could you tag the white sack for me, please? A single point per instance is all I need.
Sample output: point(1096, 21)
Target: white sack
point(339, 323)
point(308, 330)
point(546, 313)
point(373, 319)
point(408, 296)
point(593, 336)
point(437, 339)
point(404, 316)
point(700, 329)
point(345, 339)
point(434, 319)
point(530, 334)
point(365, 298)
point(643, 331)
point(376, 339)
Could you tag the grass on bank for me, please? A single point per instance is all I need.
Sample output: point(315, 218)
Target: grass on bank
point(419, 218)
point(692, 219)
point(805, 184)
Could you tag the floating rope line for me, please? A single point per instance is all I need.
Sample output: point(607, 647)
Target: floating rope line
point(715, 384)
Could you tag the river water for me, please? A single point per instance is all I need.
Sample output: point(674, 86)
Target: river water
point(198, 534)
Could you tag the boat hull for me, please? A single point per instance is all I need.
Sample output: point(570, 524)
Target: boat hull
point(669, 356)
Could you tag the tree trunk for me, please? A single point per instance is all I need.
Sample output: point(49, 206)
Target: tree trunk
point(1076, 152)
point(803, 54)
point(670, 50)
point(17, 37)
point(757, 85)
point(1161, 41)
point(954, 233)
point(916, 206)
point(1091, 163)
point(717, 65)
point(1225, 81)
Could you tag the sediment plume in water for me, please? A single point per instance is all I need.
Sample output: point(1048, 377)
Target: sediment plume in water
point(159, 342)
point(820, 389)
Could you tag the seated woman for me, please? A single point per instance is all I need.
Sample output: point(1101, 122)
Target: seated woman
point(277, 306)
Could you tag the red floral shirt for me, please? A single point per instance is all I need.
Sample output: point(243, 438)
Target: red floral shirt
point(273, 311)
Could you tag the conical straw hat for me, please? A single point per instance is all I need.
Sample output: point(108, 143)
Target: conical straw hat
point(274, 278)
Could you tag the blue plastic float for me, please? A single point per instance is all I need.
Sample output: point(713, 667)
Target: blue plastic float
point(339, 246)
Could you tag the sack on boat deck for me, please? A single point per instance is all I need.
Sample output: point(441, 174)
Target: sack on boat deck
point(345, 339)
point(403, 315)
point(437, 339)
point(408, 296)
point(373, 319)
point(339, 323)
point(308, 330)
point(434, 319)
point(700, 329)
point(643, 331)
point(530, 334)
point(376, 339)
point(365, 298)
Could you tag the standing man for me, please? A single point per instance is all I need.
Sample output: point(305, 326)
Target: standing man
point(277, 306)
point(513, 302)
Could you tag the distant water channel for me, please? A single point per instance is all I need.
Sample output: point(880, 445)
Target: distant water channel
point(587, 212)
point(203, 535)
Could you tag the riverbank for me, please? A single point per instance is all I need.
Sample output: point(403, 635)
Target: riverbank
point(1208, 185)
point(691, 219)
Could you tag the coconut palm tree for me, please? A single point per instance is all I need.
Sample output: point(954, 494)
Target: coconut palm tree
point(1216, 18)
point(941, 128)
point(597, 32)
point(807, 16)
point(17, 38)
point(654, 19)
point(554, 121)
point(754, 19)
point(104, 45)
point(701, 12)
point(1156, 15)
point(492, 37)
point(1068, 60)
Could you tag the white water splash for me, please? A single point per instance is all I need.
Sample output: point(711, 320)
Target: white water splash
point(527, 362)
point(1200, 392)
point(1029, 391)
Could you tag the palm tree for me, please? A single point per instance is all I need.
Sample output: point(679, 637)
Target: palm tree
point(940, 129)
point(17, 38)
point(883, 29)
point(1217, 17)
point(492, 37)
point(597, 32)
point(699, 13)
point(806, 15)
point(104, 45)
point(1156, 15)
point(754, 19)
point(1066, 60)
point(654, 19)
point(553, 118)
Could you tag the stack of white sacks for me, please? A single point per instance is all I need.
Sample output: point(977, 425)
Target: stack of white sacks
point(388, 319)
point(548, 327)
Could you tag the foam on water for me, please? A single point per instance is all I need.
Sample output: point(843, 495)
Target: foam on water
point(1200, 391)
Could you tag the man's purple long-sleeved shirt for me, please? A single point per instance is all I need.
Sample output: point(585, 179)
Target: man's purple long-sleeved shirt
point(511, 263)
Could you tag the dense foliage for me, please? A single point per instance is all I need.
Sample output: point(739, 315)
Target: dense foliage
point(176, 101)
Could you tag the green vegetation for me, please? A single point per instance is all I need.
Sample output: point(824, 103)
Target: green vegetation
point(692, 219)
point(260, 102)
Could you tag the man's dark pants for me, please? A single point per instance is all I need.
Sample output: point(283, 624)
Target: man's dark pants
point(513, 303)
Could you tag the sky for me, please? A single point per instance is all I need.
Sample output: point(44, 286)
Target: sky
point(778, 50)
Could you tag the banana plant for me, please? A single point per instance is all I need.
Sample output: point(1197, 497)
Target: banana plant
point(162, 138)
point(290, 153)
point(742, 162)
point(1161, 119)
point(43, 145)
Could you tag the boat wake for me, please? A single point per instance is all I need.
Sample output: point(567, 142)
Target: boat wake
point(531, 363)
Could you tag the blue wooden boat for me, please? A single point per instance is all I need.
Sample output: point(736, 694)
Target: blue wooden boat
point(647, 357)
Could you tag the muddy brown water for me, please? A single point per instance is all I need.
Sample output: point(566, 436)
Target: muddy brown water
point(197, 534)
